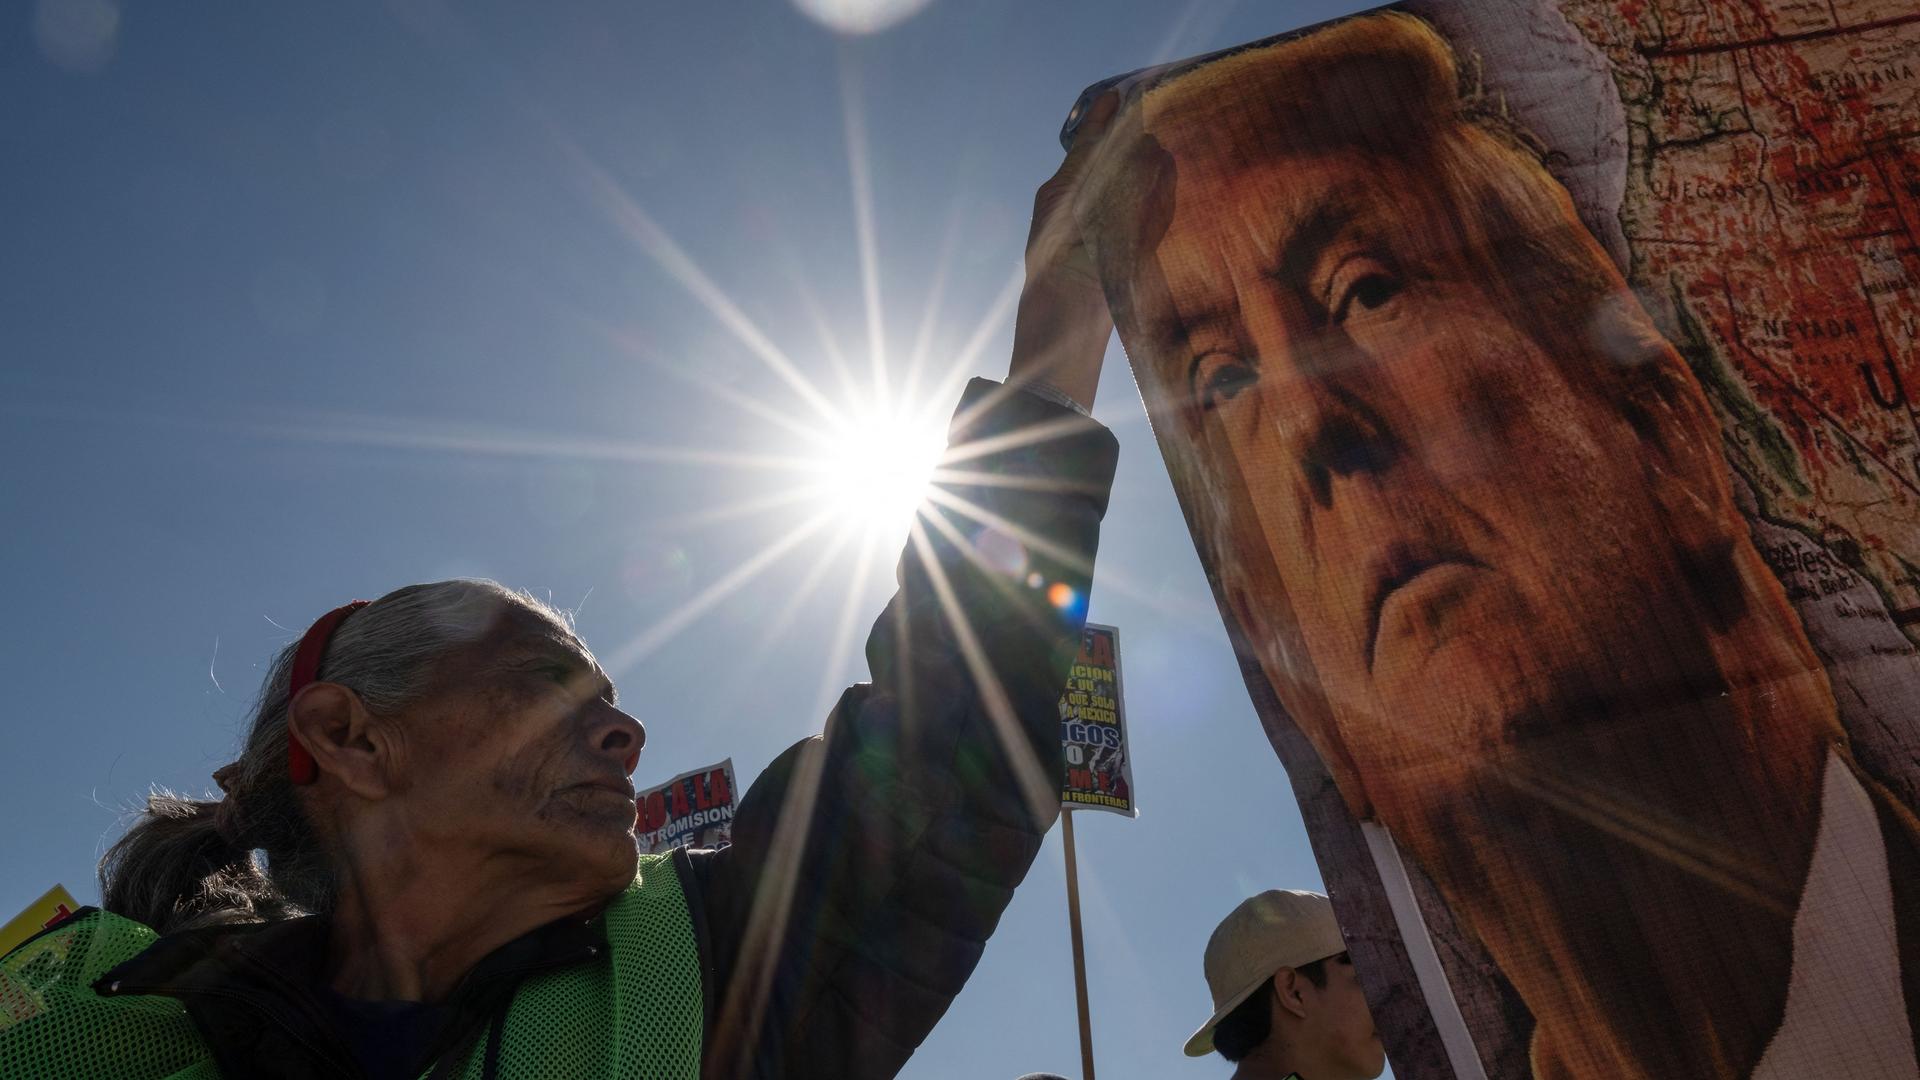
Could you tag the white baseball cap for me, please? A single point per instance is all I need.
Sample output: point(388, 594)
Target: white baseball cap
point(1280, 928)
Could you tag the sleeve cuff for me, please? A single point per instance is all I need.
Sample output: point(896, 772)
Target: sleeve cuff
point(1027, 435)
point(1046, 391)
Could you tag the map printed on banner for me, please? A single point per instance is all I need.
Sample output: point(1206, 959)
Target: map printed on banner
point(1754, 170)
point(1093, 728)
point(1796, 124)
point(692, 810)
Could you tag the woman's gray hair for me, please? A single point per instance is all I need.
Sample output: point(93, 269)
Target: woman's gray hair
point(189, 861)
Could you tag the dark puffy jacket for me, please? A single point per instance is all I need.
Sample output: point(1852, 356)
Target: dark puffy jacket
point(870, 863)
point(926, 799)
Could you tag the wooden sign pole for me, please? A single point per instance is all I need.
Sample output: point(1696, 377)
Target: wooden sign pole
point(1079, 951)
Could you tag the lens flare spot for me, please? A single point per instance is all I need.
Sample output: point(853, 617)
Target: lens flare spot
point(860, 16)
point(78, 35)
point(1001, 551)
point(1062, 595)
point(656, 571)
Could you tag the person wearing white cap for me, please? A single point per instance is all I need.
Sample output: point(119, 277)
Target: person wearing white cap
point(1286, 1000)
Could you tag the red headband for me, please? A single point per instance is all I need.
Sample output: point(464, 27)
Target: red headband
point(301, 767)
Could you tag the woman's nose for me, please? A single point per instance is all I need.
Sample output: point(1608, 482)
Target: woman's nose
point(617, 735)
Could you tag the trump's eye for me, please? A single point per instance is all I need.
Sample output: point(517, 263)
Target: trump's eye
point(1220, 376)
point(1361, 284)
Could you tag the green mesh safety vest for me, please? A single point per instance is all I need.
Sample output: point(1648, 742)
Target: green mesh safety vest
point(638, 1016)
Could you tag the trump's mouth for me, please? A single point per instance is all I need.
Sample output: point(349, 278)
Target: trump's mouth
point(1399, 567)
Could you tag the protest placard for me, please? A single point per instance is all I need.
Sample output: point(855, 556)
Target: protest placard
point(694, 810)
point(1093, 728)
point(53, 907)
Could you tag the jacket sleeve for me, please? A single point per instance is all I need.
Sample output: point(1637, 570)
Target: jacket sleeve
point(870, 863)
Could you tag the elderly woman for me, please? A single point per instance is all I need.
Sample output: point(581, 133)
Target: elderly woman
point(439, 782)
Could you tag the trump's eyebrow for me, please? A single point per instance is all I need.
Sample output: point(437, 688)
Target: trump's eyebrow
point(1180, 327)
point(1308, 240)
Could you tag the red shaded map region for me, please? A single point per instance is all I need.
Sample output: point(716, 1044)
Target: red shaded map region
point(1770, 209)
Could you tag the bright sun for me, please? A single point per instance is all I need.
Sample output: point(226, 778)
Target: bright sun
point(875, 468)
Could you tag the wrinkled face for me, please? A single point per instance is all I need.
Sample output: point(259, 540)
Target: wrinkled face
point(519, 750)
point(1339, 1023)
point(1443, 540)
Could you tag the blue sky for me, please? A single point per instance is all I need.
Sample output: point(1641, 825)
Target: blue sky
point(306, 304)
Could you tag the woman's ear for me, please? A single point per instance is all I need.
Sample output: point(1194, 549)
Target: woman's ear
point(344, 738)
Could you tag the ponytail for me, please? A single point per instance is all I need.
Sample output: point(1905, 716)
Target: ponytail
point(177, 867)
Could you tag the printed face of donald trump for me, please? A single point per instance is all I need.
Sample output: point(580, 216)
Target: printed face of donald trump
point(1468, 506)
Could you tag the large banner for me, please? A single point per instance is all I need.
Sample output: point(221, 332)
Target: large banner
point(1093, 728)
point(692, 810)
point(1537, 380)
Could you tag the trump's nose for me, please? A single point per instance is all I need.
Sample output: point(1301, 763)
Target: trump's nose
point(1338, 439)
point(1318, 386)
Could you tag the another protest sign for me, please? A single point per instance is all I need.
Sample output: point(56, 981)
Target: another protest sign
point(694, 809)
point(55, 906)
point(1093, 728)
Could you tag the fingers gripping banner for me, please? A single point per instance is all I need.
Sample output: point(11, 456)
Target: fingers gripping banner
point(1534, 376)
